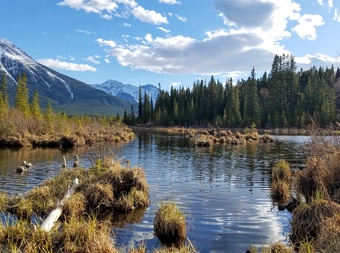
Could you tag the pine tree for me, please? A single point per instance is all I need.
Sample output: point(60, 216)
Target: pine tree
point(22, 96)
point(35, 106)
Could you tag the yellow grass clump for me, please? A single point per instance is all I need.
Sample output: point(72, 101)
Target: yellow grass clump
point(281, 171)
point(280, 186)
point(170, 225)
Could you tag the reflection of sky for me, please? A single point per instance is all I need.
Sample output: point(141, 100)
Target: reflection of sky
point(225, 191)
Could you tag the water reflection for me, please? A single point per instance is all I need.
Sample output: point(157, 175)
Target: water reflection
point(223, 188)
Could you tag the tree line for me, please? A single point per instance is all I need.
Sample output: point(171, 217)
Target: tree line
point(28, 118)
point(283, 98)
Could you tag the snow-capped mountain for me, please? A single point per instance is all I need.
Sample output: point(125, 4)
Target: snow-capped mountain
point(63, 92)
point(127, 91)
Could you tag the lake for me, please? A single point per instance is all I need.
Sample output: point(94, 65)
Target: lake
point(224, 190)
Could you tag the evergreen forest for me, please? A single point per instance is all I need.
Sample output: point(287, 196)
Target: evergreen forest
point(284, 98)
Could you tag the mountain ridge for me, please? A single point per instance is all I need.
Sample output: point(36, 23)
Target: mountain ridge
point(63, 92)
point(127, 91)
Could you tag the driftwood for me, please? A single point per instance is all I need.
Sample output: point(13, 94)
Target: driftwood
point(54, 215)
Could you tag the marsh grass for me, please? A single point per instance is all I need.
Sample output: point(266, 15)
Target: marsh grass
point(170, 225)
point(281, 171)
point(88, 215)
point(280, 191)
point(308, 218)
point(277, 247)
point(86, 235)
point(281, 178)
point(4, 200)
point(328, 240)
point(184, 249)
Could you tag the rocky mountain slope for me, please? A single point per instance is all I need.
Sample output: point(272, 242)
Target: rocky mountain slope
point(127, 91)
point(64, 93)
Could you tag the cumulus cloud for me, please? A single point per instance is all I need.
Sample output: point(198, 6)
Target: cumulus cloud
point(109, 8)
point(306, 29)
point(254, 32)
point(104, 8)
point(57, 64)
point(181, 55)
point(149, 16)
point(318, 59)
point(246, 13)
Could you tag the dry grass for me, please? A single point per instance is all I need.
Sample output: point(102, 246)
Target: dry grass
point(308, 218)
point(277, 247)
point(184, 249)
point(314, 179)
point(280, 191)
point(170, 225)
point(281, 171)
point(328, 240)
point(80, 235)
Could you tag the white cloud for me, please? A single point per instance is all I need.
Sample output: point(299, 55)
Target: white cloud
point(104, 8)
point(336, 15)
point(149, 16)
point(170, 1)
point(109, 43)
point(176, 84)
point(57, 64)
point(306, 27)
point(84, 31)
point(320, 2)
point(330, 3)
point(93, 59)
point(126, 25)
point(180, 55)
point(107, 60)
point(163, 29)
point(246, 13)
point(309, 60)
point(181, 18)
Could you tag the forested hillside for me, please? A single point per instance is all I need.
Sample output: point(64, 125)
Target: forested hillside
point(286, 97)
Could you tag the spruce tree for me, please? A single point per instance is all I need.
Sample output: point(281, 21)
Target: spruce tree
point(22, 95)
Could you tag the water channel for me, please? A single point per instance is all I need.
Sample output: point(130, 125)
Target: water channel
point(224, 190)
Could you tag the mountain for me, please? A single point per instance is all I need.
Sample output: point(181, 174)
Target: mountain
point(127, 91)
point(63, 92)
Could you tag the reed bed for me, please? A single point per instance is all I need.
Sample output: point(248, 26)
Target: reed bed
point(88, 215)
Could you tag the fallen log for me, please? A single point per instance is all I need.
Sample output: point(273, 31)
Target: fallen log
point(54, 215)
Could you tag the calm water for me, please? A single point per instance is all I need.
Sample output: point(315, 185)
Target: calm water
point(223, 189)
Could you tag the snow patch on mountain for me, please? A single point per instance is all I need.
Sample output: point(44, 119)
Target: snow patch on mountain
point(119, 89)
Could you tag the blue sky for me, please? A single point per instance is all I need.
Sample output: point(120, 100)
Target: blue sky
point(172, 42)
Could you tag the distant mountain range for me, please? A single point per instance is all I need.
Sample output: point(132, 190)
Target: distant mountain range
point(127, 91)
point(63, 92)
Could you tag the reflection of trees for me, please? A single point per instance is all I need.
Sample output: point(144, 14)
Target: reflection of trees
point(245, 166)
